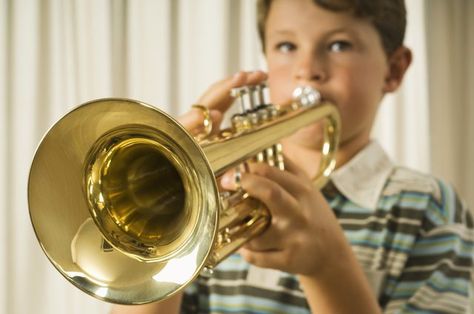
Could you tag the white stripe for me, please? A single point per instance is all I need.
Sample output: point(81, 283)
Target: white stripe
point(394, 306)
point(458, 229)
point(433, 305)
point(430, 299)
point(427, 298)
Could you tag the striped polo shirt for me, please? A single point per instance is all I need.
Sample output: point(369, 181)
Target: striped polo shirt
point(410, 232)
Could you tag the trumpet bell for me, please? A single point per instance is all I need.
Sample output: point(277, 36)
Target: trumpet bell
point(123, 201)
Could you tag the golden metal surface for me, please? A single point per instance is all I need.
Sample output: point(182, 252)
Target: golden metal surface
point(124, 201)
point(206, 122)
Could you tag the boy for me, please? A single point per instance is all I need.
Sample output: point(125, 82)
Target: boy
point(377, 237)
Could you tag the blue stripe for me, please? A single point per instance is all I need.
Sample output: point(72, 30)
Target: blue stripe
point(350, 207)
point(413, 203)
point(448, 243)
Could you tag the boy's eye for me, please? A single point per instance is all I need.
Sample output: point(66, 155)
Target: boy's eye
point(339, 45)
point(285, 47)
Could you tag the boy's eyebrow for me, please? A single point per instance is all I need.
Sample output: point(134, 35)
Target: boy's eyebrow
point(343, 29)
point(283, 32)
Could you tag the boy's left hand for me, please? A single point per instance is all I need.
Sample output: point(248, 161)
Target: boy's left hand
point(217, 98)
point(304, 233)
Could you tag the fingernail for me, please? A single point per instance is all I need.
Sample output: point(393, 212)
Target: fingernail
point(227, 181)
point(237, 76)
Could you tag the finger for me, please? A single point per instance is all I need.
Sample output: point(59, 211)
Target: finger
point(255, 77)
point(218, 95)
point(194, 119)
point(269, 240)
point(275, 259)
point(296, 182)
point(277, 199)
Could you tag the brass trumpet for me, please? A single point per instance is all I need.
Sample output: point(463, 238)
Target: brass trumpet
point(124, 201)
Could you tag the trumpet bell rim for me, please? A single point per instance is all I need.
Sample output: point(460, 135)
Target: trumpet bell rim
point(71, 236)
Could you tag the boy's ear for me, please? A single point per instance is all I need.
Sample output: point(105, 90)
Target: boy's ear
point(398, 62)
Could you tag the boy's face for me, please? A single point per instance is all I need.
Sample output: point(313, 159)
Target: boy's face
point(336, 53)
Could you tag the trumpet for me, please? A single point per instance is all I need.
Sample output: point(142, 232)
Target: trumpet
point(124, 201)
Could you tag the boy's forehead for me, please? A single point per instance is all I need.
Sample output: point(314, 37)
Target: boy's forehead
point(290, 15)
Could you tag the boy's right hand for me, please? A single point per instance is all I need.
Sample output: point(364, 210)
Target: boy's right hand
point(217, 99)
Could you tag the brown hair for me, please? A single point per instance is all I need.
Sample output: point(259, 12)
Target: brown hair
point(387, 16)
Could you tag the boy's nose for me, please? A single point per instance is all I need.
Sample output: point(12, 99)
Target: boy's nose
point(310, 71)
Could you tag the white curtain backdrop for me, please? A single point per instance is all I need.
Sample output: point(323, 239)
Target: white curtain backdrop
point(56, 54)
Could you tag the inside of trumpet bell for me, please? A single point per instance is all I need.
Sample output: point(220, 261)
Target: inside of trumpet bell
point(137, 196)
point(144, 192)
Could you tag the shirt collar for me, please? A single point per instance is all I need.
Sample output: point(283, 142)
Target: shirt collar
point(362, 179)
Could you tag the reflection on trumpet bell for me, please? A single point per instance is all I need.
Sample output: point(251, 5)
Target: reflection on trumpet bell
point(97, 275)
point(133, 198)
point(91, 255)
